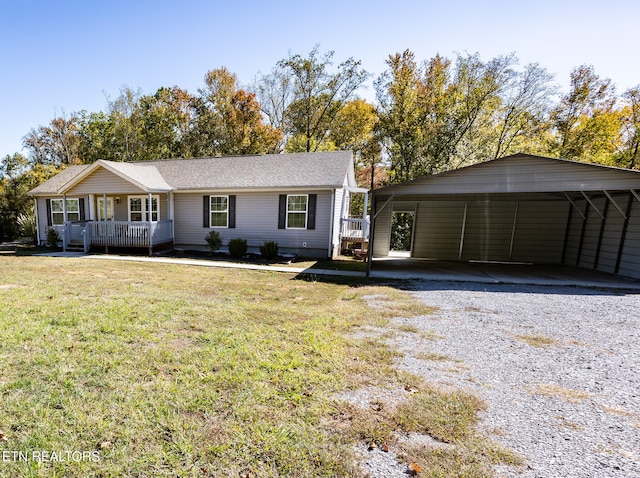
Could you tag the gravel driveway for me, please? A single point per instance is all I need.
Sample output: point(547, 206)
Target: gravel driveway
point(559, 369)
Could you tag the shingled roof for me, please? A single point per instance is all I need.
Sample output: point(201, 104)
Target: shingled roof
point(270, 171)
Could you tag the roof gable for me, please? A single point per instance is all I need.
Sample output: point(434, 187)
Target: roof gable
point(521, 173)
point(142, 176)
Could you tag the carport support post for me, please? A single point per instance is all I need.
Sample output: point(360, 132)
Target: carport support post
point(513, 229)
point(374, 213)
point(567, 231)
point(371, 235)
point(464, 225)
point(584, 227)
point(623, 234)
point(600, 236)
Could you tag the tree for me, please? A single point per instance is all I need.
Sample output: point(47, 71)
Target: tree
point(400, 127)
point(586, 121)
point(97, 139)
point(522, 117)
point(629, 155)
point(318, 94)
point(354, 129)
point(14, 201)
point(56, 143)
point(229, 120)
point(124, 113)
point(438, 115)
point(165, 123)
point(275, 93)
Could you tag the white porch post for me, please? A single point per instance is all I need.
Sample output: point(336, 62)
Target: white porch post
point(35, 210)
point(150, 208)
point(64, 208)
point(92, 207)
point(364, 217)
point(104, 206)
point(171, 214)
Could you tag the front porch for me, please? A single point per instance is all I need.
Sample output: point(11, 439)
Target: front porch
point(83, 235)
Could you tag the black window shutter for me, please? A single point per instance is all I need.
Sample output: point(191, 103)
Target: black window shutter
point(311, 211)
point(282, 212)
point(232, 212)
point(49, 212)
point(81, 208)
point(206, 204)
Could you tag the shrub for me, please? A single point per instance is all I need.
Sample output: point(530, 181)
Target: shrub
point(237, 247)
point(269, 249)
point(27, 224)
point(53, 238)
point(214, 241)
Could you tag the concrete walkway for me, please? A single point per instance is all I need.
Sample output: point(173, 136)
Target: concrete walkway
point(423, 270)
point(206, 263)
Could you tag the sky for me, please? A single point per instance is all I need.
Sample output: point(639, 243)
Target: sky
point(57, 57)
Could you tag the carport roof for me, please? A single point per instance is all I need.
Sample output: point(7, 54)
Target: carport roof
point(520, 173)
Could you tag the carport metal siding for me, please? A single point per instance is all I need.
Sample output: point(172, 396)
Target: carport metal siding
point(535, 222)
point(499, 230)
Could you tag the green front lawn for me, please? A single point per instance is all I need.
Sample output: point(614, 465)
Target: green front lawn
point(141, 369)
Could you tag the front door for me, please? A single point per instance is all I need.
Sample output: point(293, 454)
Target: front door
point(101, 211)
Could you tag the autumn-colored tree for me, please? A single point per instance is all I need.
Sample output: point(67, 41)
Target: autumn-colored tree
point(629, 155)
point(437, 115)
point(401, 114)
point(317, 94)
point(165, 123)
point(354, 130)
point(586, 122)
point(229, 120)
point(56, 144)
point(18, 175)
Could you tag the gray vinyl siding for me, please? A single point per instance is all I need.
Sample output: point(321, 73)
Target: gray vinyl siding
point(104, 181)
point(382, 230)
point(256, 222)
point(121, 208)
point(43, 220)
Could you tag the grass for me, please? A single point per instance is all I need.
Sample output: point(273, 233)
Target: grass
point(165, 370)
point(567, 394)
point(536, 340)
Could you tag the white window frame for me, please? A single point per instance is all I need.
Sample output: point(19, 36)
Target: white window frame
point(145, 216)
point(100, 209)
point(212, 211)
point(305, 212)
point(61, 211)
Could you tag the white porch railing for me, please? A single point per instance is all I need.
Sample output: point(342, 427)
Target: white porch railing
point(356, 228)
point(117, 233)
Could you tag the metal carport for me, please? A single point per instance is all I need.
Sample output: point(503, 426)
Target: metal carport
point(520, 208)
